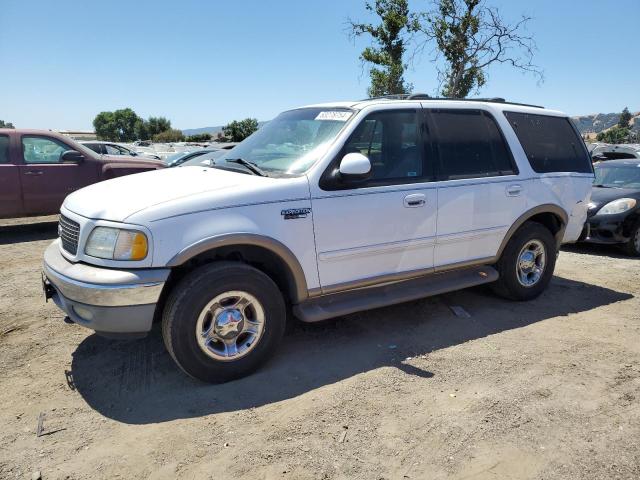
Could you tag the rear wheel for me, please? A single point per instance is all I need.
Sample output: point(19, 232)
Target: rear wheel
point(223, 321)
point(527, 263)
point(632, 247)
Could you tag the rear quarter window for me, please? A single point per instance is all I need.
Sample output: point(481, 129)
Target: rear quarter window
point(550, 143)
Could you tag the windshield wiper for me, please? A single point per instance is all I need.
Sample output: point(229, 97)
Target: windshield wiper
point(249, 165)
point(602, 186)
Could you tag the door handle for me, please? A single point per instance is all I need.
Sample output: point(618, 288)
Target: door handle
point(514, 190)
point(34, 172)
point(415, 200)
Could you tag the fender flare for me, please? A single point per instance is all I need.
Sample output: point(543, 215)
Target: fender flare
point(545, 208)
point(300, 290)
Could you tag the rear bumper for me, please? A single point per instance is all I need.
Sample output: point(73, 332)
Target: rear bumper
point(115, 302)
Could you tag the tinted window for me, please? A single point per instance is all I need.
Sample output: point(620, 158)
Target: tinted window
point(114, 150)
point(4, 149)
point(551, 143)
point(42, 150)
point(470, 145)
point(391, 141)
point(96, 147)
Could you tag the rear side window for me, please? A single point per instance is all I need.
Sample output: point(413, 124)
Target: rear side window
point(470, 145)
point(551, 143)
point(4, 149)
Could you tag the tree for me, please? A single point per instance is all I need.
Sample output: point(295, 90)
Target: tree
point(202, 137)
point(625, 118)
point(168, 136)
point(389, 39)
point(156, 125)
point(237, 131)
point(615, 134)
point(4, 124)
point(118, 126)
point(470, 37)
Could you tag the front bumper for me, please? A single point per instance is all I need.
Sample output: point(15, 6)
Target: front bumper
point(109, 301)
point(607, 229)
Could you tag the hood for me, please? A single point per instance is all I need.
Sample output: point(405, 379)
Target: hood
point(139, 160)
point(161, 193)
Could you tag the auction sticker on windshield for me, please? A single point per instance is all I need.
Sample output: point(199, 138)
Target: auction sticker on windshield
point(335, 115)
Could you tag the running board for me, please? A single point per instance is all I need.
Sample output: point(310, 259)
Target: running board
point(337, 304)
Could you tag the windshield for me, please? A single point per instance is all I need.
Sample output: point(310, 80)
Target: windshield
point(618, 177)
point(293, 141)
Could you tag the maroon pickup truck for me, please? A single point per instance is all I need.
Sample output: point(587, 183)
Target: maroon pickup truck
point(38, 169)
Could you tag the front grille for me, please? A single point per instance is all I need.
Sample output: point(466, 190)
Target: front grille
point(69, 231)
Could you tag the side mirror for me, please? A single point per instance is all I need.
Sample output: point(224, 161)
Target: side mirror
point(72, 156)
point(355, 166)
point(133, 154)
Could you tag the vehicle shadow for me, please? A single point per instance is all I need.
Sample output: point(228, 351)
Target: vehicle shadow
point(28, 232)
point(136, 382)
point(611, 251)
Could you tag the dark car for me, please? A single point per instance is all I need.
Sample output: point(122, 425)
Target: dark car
point(38, 169)
point(614, 211)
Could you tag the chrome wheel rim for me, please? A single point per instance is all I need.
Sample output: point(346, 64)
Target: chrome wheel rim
point(230, 326)
point(531, 262)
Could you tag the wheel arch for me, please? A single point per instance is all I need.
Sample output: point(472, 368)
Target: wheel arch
point(265, 253)
point(552, 216)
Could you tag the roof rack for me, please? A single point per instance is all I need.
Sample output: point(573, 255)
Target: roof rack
point(424, 96)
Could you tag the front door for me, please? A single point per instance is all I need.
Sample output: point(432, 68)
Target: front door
point(480, 194)
point(386, 225)
point(46, 179)
point(10, 192)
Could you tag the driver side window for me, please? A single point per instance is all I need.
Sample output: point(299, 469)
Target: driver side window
point(39, 150)
point(392, 142)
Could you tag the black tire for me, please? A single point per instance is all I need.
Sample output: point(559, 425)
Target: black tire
point(632, 248)
point(508, 285)
point(192, 294)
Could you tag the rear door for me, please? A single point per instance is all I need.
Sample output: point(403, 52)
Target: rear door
point(10, 190)
point(480, 194)
point(46, 179)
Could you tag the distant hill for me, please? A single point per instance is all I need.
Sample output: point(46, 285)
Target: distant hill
point(598, 122)
point(199, 131)
point(211, 130)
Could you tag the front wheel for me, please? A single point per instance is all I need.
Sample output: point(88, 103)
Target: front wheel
point(527, 263)
point(632, 247)
point(223, 321)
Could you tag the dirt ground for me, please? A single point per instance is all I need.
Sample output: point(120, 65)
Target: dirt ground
point(548, 389)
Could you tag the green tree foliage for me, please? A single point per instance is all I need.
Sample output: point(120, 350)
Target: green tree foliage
point(117, 126)
point(615, 134)
point(126, 126)
point(168, 136)
point(156, 125)
point(625, 118)
point(470, 37)
point(237, 131)
point(389, 39)
point(4, 124)
point(202, 137)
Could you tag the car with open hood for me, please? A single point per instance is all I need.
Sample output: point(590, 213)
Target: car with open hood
point(326, 210)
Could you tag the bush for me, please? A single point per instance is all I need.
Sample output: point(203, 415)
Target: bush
point(202, 137)
point(169, 136)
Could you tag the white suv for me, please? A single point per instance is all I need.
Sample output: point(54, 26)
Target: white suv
point(326, 210)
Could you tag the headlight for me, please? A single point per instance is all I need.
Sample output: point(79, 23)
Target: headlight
point(617, 206)
point(117, 244)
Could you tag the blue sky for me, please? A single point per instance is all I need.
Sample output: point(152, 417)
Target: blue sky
point(204, 63)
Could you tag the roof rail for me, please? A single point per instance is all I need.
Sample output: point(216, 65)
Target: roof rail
point(424, 96)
